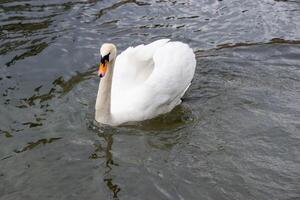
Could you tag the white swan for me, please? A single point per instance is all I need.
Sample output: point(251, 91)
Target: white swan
point(142, 82)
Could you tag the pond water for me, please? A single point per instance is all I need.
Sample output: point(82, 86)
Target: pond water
point(235, 136)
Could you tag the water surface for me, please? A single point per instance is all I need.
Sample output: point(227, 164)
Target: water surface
point(235, 136)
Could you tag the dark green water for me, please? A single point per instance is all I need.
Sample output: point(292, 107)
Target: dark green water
point(236, 135)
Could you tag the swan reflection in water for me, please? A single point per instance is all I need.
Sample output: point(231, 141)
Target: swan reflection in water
point(103, 150)
point(162, 132)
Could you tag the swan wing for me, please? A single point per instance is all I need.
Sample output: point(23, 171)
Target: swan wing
point(172, 75)
point(134, 65)
point(173, 66)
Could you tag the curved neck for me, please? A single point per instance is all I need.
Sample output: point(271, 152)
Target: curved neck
point(103, 102)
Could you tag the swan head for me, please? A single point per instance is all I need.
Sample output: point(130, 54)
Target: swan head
point(108, 53)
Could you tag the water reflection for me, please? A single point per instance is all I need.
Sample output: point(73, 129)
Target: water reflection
point(178, 118)
point(113, 187)
point(165, 141)
point(119, 4)
point(60, 87)
point(32, 51)
point(40, 28)
point(208, 52)
point(41, 101)
point(67, 86)
point(235, 133)
point(109, 165)
point(103, 150)
point(32, 145)
point(6, 133)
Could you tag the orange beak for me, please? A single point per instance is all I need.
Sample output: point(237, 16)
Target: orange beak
point(102, 69)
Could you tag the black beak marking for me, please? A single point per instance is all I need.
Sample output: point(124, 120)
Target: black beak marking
point(105, 58)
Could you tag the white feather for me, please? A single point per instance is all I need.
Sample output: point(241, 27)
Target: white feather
point(150, 80)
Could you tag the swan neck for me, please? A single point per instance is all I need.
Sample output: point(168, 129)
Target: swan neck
point(103, 102)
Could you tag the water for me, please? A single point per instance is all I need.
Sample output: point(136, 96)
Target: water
point(236, 135)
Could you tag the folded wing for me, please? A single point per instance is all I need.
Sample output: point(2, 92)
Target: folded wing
point(156, 77)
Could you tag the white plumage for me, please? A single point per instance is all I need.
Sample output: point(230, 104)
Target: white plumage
point(149, 80)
